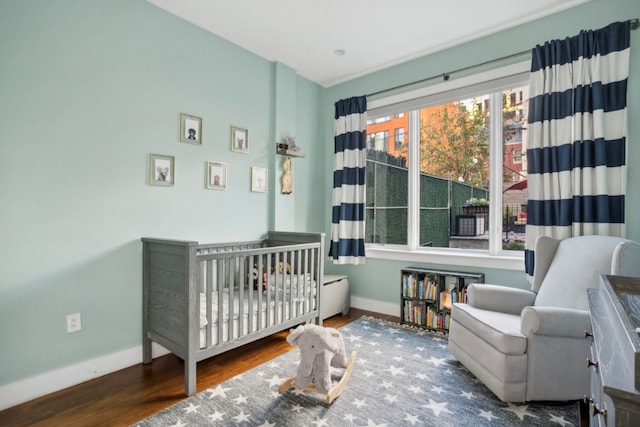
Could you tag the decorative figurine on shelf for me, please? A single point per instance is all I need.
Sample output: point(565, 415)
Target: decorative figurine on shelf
point(287, 183)
point(291, 143)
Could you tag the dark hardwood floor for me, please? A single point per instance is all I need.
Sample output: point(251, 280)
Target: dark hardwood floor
point(132, 394)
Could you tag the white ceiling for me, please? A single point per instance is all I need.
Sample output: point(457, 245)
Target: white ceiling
point(375, 34)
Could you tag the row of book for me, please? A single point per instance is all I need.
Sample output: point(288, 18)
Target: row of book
point(425, 315)
point(423, 288)
point(455, 296)
point(428, 290)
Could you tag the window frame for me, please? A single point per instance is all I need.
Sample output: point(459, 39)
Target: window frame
point(451, 90)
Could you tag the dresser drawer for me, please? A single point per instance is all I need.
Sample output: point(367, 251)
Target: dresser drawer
point(595, 399)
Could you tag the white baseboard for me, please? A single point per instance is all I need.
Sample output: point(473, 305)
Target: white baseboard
point(50, 382)
point(381, 307)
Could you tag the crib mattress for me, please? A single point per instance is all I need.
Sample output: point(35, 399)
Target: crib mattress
point(291, 301)
point(241, 327)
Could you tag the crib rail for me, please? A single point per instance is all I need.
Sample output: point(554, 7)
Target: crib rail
point(211, 248)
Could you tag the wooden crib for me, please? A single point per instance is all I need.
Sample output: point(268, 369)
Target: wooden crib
point(200, 300)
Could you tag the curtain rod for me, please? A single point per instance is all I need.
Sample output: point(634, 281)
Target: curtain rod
point(635, 24)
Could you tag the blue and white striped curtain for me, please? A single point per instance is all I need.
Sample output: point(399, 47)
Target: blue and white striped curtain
point(347, 219)
point(577, 136)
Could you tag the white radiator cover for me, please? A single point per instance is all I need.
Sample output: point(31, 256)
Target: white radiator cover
point(335, 297)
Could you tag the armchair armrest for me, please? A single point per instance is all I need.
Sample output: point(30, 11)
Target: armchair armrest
point(555, 321)
point(499, 298)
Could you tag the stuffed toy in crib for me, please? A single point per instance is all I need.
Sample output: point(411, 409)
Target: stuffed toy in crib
point(320, 349)
point(261, 283)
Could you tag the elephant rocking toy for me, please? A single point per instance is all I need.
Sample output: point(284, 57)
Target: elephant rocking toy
point(320, 349)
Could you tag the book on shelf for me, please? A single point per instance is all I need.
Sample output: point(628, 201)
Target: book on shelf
point(417, 314)
point(446, 298)
point(429, 319)
point(430, 290)
point(411, 288)
point(414, 312)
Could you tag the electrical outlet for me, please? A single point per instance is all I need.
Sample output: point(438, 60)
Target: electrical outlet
point(74, 323)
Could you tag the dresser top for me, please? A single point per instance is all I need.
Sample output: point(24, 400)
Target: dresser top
point(616, 342)
point(627, 289)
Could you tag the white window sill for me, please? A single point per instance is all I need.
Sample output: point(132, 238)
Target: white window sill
point(456, 257)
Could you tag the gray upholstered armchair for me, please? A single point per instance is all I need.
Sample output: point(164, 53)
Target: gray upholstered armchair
point(530, 345)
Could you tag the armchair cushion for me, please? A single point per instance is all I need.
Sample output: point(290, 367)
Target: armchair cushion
point(500, 330)
point(564, 285)
point(554, 321)
point(625, 259)
point(545, 250)
point(499, 298)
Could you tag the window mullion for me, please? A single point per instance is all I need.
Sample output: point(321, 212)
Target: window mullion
point(495, 172)
point(413, 219)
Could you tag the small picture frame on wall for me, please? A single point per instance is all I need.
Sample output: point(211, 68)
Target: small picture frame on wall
point(259, 179)
point(239, 140)
point(162, 170)
point(216, 176)
point(190, 129)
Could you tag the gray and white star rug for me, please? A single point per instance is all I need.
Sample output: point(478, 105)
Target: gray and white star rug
point(402, 377)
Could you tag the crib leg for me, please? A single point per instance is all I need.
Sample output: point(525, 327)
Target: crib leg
point(146, 349)
point(190, 377)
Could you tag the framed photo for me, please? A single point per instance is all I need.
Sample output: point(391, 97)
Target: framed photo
point(259, 179)
point(190, 129)
point(162, 170)
point(239, 140)
point(216, 176)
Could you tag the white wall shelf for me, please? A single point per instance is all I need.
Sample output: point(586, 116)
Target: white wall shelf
point(283, 149)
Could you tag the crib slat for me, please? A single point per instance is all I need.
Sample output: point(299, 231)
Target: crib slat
point(231, 283)
point(261, 284)
point(302, 283)
point(307, 296)
point(281, 256)
point(309, 267)
point(252, 266)
point(209, 299)
point(286, 288)
point(242, 284)
point(295, 285)
point(219, 286)
point(283, 288)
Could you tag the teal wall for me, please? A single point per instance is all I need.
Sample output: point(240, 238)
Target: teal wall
point(379, 279)
point(87, 90)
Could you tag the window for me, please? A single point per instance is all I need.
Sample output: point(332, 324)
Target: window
point(398, 134)
point(450, 184)
point(517, 155)
point(378, 141)
point(382, 119)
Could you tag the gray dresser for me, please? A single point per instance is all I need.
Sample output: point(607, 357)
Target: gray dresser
point(614, 398)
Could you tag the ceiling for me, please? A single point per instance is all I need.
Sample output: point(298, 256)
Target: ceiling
point(373, 34)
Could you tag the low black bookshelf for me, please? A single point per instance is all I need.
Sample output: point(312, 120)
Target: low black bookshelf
point(427, 295)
